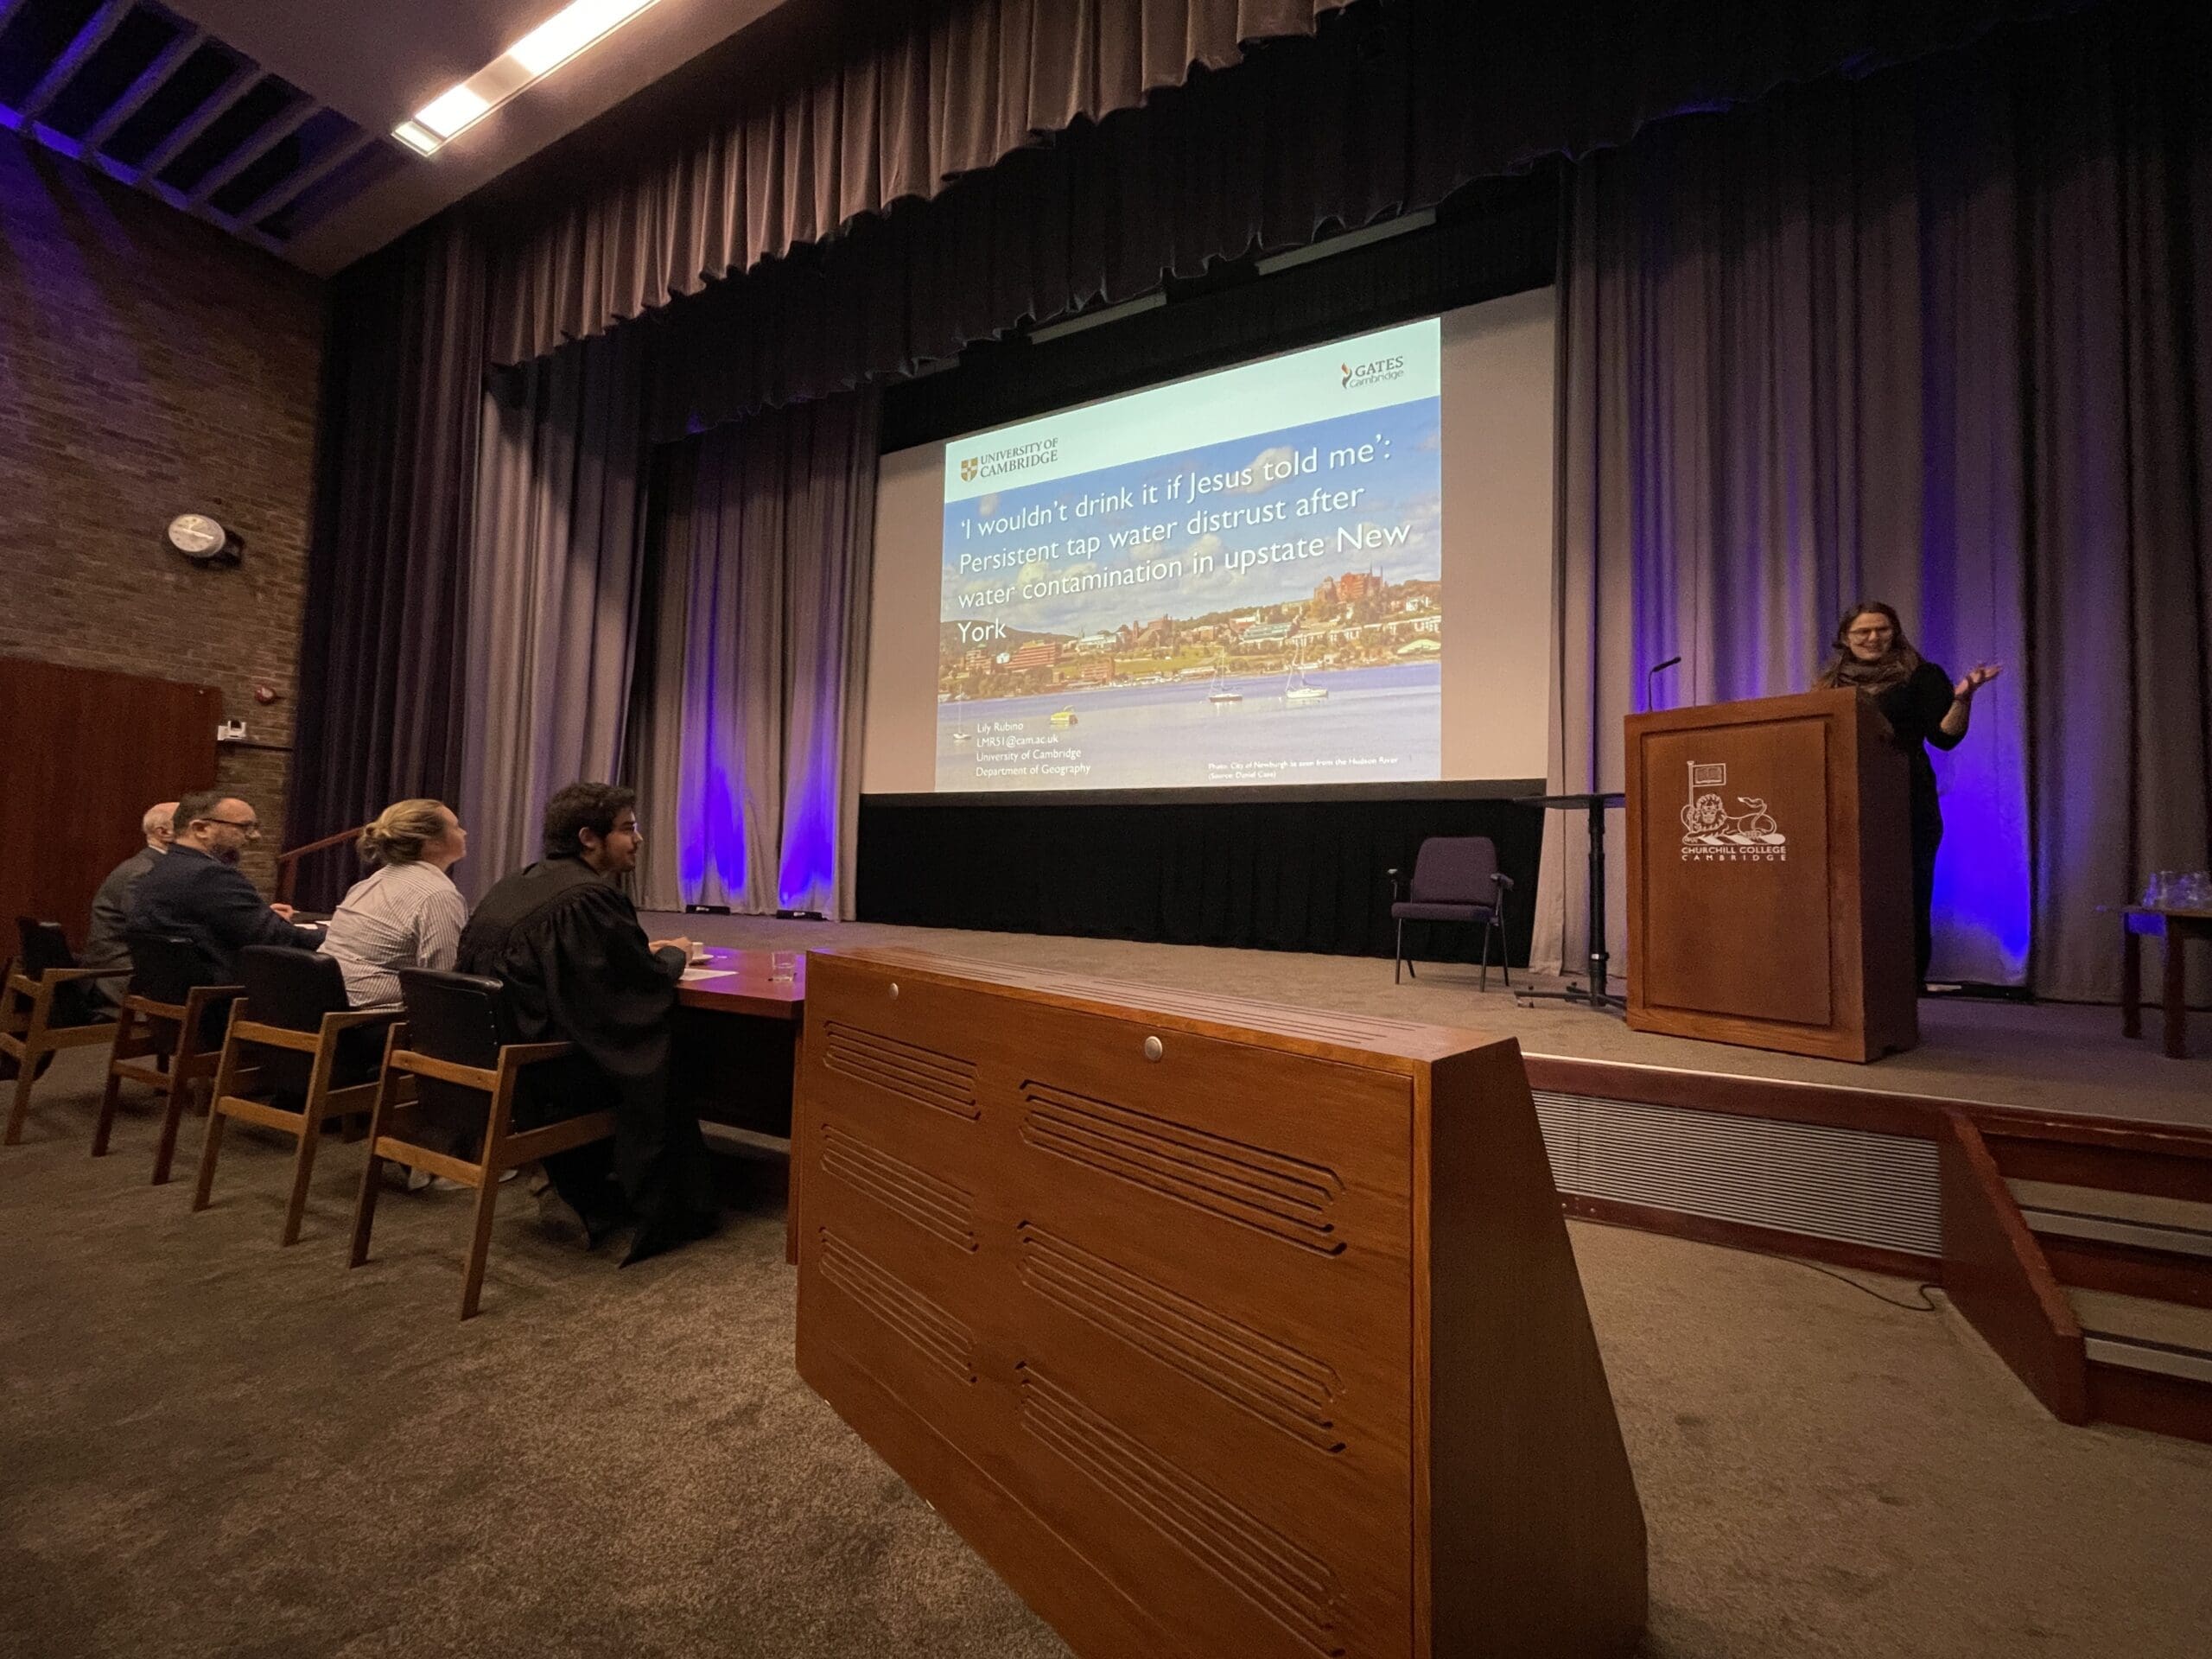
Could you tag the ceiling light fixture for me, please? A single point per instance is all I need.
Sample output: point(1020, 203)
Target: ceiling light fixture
point(545, 49)
point(568, 31)
point(452, 110)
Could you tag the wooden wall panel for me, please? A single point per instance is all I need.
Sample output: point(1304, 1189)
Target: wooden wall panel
point(88, 751)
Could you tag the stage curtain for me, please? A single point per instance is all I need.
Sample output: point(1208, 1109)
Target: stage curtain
point(1937, 337)
point(899, 110)
point(752, 737)
point(1391, 109)
point(554, 581)
point(1309, 875)
point(1394, 105)
point(383, 633)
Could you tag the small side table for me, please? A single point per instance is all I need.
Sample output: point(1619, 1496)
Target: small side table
point(1599, 995)
point(2177, 928)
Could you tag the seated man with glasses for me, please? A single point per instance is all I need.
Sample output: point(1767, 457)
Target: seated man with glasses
point(196, 890)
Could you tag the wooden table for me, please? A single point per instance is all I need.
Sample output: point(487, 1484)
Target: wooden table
point(2177, 928)
point(741, 1025)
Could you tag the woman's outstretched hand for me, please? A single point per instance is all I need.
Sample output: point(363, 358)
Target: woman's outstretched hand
point(1974, 678)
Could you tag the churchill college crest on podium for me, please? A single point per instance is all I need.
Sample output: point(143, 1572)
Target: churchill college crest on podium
point(1710, 833)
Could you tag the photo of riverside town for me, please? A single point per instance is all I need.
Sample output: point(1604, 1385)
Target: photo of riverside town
point(1344, 686)
point(1352, 620)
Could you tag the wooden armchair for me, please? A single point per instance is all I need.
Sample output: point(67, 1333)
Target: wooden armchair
point(317, 1059)
point(45, 1006)
point(454, 1046)
point(169, 1037)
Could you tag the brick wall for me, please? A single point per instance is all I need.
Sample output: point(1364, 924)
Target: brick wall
point(151, 365)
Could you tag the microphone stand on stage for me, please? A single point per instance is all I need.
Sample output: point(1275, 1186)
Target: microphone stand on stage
point(1598, 995)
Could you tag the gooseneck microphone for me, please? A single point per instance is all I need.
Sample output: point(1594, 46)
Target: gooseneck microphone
point(1650, 674)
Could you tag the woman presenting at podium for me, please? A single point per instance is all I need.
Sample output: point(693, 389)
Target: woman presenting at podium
point(1923, 705)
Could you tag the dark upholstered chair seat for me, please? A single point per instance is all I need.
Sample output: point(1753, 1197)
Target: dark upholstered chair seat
point(1417, 911)
point(169, 1036)
point(45, 950)
point(295, 1056)
point(1455, 879)
point(46, 1005)
point(456, 1049)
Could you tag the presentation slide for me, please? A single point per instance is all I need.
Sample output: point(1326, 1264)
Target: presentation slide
point(1233, 579)
point(1268, 575)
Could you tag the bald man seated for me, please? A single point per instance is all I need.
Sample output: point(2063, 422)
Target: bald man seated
point(105, 945)
point(195, 889)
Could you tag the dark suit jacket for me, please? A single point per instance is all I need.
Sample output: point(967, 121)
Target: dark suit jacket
point(208, 902)
point(104, 942)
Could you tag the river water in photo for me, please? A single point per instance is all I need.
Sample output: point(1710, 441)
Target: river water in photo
point(1375, 725)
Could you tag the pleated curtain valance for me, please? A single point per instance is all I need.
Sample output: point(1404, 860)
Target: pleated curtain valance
point(945, 91)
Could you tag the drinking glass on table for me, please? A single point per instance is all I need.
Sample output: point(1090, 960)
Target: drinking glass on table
point(783, 966)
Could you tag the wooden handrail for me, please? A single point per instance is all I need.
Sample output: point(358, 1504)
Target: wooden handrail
point(1995, 1272)
point(287, 861)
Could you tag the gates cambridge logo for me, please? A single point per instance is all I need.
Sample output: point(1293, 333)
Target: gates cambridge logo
point(1712, 834)
point(1381, 372)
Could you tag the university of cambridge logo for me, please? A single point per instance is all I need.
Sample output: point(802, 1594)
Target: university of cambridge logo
point(967, 470)
point(1712, 834)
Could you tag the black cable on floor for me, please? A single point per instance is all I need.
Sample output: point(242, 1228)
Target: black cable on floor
point(1923, 1306)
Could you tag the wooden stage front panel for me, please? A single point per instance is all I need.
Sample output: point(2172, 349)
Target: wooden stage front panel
point(1218, 1329)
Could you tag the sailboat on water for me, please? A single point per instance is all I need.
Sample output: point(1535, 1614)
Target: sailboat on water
point(1295, 690)
point(1223, 692)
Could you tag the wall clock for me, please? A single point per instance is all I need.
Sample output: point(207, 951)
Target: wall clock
point(201, 540)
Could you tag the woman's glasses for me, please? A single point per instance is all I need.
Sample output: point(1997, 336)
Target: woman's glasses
point(1870, 633)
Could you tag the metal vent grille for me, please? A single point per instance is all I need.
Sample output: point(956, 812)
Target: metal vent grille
point(1850, 1185)
point(133, 90)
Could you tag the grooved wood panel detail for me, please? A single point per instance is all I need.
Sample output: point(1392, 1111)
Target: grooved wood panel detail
point(1288, 1197)
point(940, 1207)
point(1276, 1382)
point(942, 1339)
point(926, 1076)
point(1219, 1340)
point(1251, 1556)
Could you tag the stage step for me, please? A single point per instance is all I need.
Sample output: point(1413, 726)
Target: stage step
point(2143, 1335)
point(2140, 1220)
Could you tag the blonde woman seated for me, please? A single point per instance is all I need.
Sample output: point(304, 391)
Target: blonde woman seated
point(404, 913)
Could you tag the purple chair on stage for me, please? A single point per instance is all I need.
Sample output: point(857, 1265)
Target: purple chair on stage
point(1456, 878)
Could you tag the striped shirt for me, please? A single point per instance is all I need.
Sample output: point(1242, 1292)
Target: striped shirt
point(399, 916)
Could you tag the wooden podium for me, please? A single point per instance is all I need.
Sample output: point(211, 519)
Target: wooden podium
point(1769, 877)
point(1222, 1330)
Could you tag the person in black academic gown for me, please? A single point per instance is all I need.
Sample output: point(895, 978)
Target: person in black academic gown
point(577, 967)
point(1923, 705)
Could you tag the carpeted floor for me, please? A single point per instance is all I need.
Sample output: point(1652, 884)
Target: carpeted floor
point(210, 1446)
